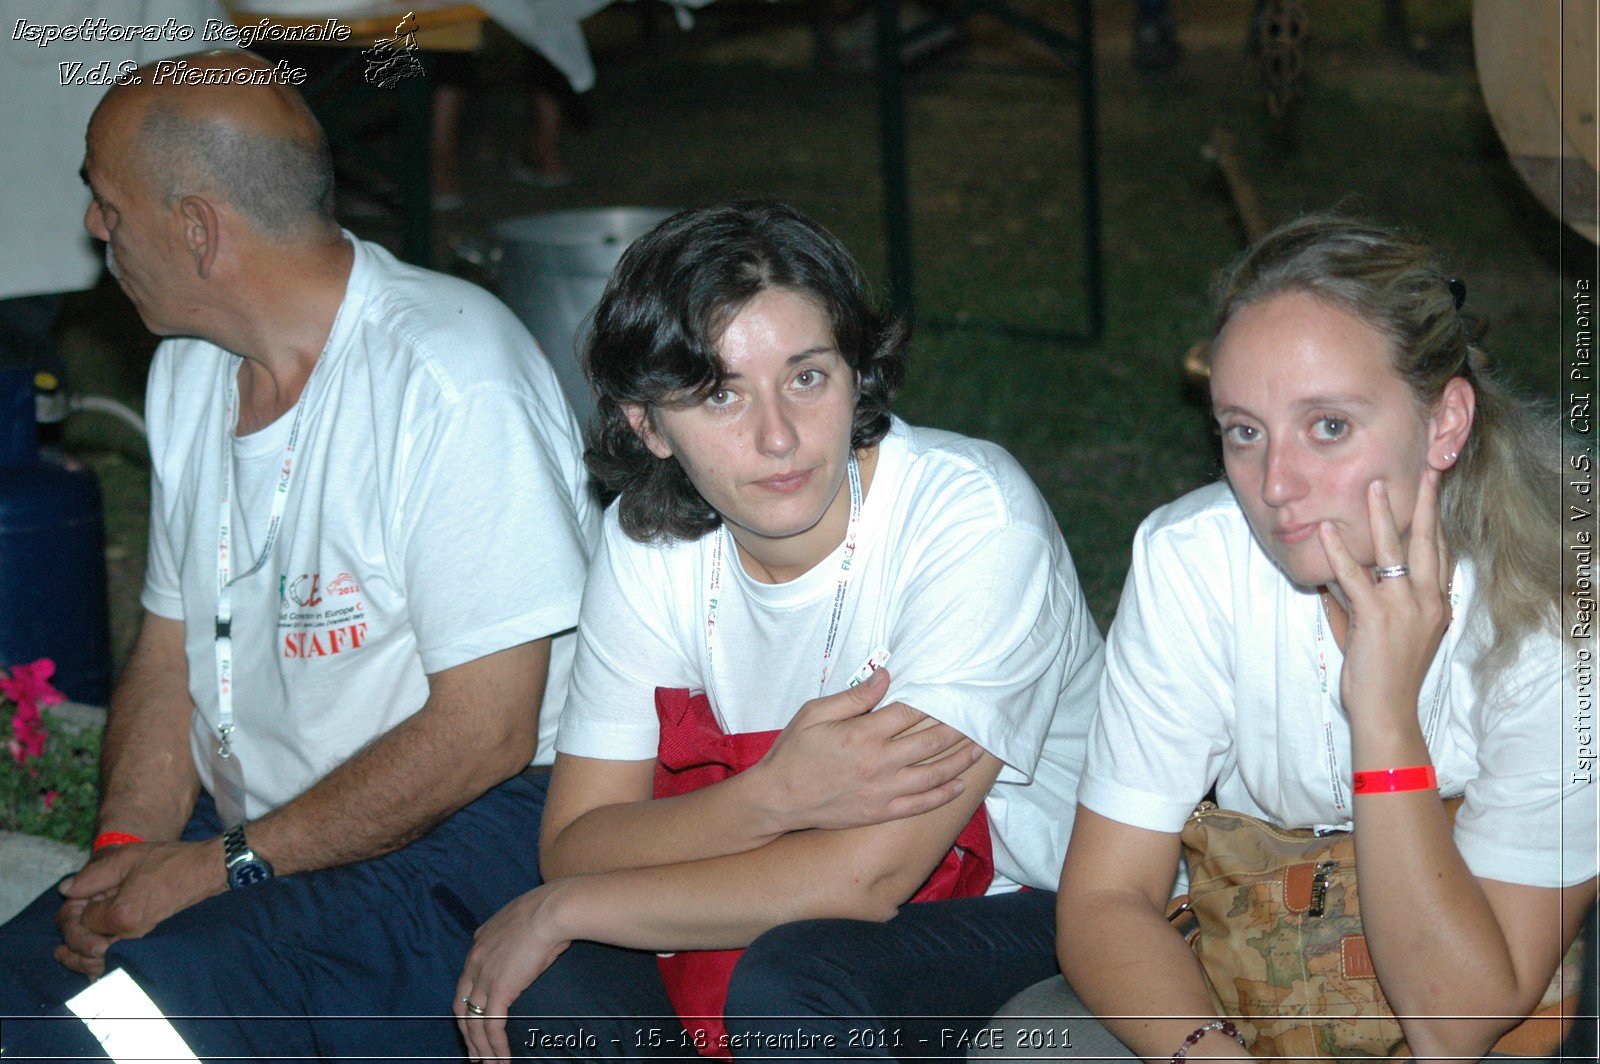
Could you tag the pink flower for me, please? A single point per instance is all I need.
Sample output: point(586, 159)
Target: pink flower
point(29, 685)
point(28, 734)
point(50, 799)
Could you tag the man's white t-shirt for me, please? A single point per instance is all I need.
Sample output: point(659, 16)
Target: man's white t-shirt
point(1212, 676)
point(437, 512)
point(960, 573)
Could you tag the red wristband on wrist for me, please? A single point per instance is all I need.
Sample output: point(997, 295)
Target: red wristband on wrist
point(1391, 780)
point(113, 838)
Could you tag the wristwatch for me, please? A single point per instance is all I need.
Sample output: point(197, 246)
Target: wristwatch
point(244, 865)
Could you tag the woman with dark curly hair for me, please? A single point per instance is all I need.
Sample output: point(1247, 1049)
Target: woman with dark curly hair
point(723, 782)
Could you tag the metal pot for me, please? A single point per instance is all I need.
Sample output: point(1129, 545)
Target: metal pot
point(551, 268)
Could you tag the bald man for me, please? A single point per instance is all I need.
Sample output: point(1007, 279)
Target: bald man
point(369, 527)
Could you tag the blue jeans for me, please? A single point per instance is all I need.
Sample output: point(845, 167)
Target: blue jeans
point(916, 987)
point(358, 961)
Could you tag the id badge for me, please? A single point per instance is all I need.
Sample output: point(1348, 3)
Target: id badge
point(227, 781)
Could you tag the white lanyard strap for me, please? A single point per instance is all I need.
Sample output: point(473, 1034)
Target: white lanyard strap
point(1336, 776)
point(714, 583)
point(225, 577)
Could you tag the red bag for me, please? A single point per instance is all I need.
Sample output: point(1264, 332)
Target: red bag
point(694, 752)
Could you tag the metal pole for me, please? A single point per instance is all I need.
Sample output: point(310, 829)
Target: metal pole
point(892, 148)
point(1089, 109)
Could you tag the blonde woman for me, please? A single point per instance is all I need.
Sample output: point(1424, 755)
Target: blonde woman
point(1362, 618)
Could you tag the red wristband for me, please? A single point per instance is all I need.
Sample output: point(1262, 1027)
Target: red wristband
point(113, 838)
point(1391, 780)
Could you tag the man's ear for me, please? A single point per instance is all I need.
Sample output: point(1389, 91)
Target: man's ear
point(202, 232)
point(1451, 423)
point(644, 427)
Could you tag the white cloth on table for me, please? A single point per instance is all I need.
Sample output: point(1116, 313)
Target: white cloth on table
point(550, 27)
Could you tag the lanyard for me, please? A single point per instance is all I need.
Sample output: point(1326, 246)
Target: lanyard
point(1336, 777)
point(714, 584)
point(225, 577)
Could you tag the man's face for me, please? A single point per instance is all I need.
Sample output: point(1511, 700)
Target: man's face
point(142, 232)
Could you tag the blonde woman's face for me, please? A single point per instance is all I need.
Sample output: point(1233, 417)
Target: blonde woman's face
point(1311, 412)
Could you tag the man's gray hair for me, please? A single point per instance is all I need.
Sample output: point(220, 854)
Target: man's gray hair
point(284, 185)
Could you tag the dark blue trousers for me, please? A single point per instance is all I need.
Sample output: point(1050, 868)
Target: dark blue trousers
point(358, 962)
point(916, 987)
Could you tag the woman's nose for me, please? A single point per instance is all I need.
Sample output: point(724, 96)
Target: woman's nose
point(1282, 480)
point(775, 429)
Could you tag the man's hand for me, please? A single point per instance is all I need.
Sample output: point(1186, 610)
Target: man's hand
point(81, 950)
point(124, 891)
point(838, 764)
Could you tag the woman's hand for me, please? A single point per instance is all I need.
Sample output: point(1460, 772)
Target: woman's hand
point(1397, 623)
point(841, 764)
point(508, 953)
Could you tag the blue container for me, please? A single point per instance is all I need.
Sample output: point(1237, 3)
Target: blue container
point(52, 555)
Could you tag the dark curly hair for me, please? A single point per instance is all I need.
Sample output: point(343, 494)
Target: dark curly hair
point(652, 340)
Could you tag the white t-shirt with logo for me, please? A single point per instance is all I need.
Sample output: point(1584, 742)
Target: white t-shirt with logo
point(960, 573)
point(1213, 675)
point(437, 512)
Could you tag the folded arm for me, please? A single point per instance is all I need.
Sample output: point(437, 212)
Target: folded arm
point(148, 782)
point(478, 727)
point(838, 764)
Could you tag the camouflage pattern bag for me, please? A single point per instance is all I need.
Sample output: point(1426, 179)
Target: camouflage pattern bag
point(1279, 937)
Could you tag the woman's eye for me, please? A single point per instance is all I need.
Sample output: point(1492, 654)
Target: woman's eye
point(1238, 435)
point(808, 378)
point(720, 398)
point(1330, 428)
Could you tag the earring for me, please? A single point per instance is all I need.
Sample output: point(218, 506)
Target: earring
point(1451, 456)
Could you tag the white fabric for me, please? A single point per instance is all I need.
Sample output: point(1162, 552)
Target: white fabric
point(960, 572)
point(437, 513)
point(43, 121)
point(553, 28)
point(1211, 677)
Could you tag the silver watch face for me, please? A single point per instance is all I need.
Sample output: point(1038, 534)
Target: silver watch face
point(244, 867)
point(252, 870)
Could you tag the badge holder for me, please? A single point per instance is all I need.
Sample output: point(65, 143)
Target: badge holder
point(227, 782)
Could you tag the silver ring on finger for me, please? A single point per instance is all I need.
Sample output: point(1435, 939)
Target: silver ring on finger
point(1391, 572)
point(475, 1009)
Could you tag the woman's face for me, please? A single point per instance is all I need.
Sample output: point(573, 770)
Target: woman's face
point(769, 449)
point(1312, 412)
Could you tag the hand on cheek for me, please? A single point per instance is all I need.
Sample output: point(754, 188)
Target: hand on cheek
point(1396, 623)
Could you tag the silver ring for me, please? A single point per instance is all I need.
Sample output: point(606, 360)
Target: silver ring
point(1391, 572)
point(476, 1010)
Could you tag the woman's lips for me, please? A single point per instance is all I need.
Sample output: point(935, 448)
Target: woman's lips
point(786, 483)
point(1289, 535)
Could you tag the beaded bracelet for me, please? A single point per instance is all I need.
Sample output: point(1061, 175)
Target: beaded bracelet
point(1394, 780)
point(113, 838)
point(1225, 1026)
